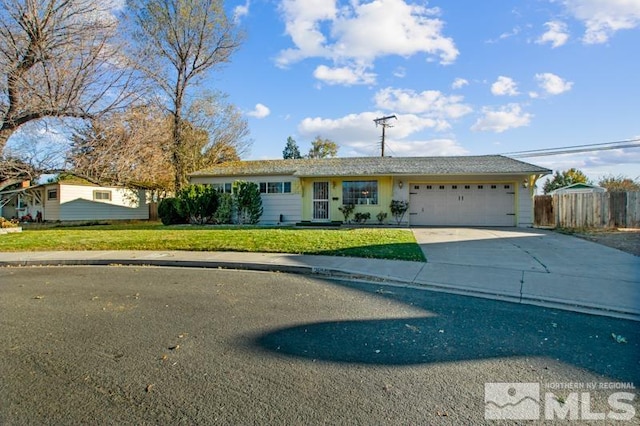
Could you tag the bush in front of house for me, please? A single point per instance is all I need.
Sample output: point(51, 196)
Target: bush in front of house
point(198, 203)
point(382, 216)
point(362, 218)
point(347, 210)
point(226, 208)
point(248, 202)
point(398, 209)
point(170, 212)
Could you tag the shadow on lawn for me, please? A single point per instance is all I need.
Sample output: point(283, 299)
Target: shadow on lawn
point(460, 328)
point(396, 251)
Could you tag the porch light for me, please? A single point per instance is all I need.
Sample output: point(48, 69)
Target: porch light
point(400, 184)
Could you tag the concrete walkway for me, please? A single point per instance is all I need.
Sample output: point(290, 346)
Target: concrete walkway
point(519, 265)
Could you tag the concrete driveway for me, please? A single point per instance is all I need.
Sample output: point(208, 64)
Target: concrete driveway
point(541, 263)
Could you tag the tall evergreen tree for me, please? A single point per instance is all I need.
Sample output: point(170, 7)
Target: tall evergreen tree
point(291, 150)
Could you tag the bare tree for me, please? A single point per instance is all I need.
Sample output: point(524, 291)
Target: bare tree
point(59, 58)
point(224, 132)
point(129, 149)
point(134, 148)
point(178, 42)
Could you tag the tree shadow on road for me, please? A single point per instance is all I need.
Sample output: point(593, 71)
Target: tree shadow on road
point(459, 328)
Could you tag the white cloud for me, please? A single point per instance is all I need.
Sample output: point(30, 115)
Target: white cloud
point(459, 83)
point(260, 111)
point(428, 148)
point(552, 84)
point(504, 118)
point(602, 18)
point(556, 34)
point(504, 86)
point(358, 127)
point(241, 11)
point(431, 103)
point(345, 76)
point(357, 33)
point(400, 72)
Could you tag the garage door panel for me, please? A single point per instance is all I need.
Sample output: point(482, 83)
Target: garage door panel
point(462, 204)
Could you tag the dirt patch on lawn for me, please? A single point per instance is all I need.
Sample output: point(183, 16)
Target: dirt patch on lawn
point(627, 239)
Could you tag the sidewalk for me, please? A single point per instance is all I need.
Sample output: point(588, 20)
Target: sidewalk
point(616, 295)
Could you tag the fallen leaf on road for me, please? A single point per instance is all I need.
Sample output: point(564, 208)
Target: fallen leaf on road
point(148, 388)
point(618, 338)
point(39, 297)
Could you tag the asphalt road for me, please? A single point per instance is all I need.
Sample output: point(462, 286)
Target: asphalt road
point(125, 345)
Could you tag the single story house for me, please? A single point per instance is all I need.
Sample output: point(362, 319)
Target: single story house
point(578, 188)
point(490, 190)
point(63, 201)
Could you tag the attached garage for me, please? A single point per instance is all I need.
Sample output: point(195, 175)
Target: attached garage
point(462, 204)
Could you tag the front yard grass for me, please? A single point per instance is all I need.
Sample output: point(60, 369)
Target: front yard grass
point(377, 243)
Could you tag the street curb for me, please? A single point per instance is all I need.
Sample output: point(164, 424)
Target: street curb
point(334, 274)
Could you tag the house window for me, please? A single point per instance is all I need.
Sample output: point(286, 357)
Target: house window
point(222, 187)
point(429, 187)
point(275, 187)
point(467, 187)
point(507, 186)
point(101, 195)
point(480, 186)
point(52, 194)
point(360, 192)
point(441, 186)
point(494, 186)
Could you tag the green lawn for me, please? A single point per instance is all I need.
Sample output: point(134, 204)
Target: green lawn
point(378, 243)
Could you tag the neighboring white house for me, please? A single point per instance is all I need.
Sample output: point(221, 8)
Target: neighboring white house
point(578, 188)
point(70, 201)
point(490, 190)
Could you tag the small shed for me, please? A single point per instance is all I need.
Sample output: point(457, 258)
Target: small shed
point(578, 188)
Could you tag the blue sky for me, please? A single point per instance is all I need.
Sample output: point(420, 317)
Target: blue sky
point(462, 77)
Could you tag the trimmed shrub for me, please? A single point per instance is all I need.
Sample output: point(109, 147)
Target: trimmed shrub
point(198, 203)
point(170, 212)
point(226, 207)
point(382, 216)
point(362, 217)
point(398, 209)
point(249, 202)
point(347, 210)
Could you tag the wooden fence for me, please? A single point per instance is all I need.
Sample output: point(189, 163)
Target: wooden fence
point(588, 210)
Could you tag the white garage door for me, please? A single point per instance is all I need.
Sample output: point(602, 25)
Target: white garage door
point(484, 204)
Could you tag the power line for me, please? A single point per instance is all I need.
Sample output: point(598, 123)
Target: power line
point(628, 143)
point(575, 151)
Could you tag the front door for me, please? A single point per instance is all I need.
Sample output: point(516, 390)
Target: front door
point(320, 200)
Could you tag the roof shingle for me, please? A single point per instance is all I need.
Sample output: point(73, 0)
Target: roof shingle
point(370, 166)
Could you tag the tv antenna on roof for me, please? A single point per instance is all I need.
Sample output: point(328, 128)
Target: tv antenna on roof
point(384, 122)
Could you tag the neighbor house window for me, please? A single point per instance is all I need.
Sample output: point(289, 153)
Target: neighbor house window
point(52, 194)
point(100, 195)
point(275, 187)
point(360, 192)
point(222, 187)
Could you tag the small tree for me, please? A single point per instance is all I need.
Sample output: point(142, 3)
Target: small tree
point(226, 208)
point(566, 178)
point(619, 183)
point(291, 150)
point(248, 201)
point(347, 210)
point(198, 203)
point(322, 148)
point(398, 209)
